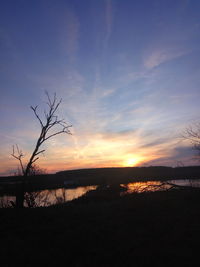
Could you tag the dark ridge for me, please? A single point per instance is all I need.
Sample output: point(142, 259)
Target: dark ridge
point(100, 176)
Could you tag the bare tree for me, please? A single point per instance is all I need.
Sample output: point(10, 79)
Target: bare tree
point(18, 155)
point(192, 134)
point(50, 126)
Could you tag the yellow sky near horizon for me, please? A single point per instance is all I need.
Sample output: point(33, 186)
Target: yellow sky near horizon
point(94, 150)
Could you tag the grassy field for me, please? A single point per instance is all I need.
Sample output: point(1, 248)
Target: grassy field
point(103, 229)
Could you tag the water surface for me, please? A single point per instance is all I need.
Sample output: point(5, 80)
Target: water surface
point(46, 198)
point(152, 186)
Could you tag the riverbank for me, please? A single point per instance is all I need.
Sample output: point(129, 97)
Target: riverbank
point(99, 176)
point(160, 228)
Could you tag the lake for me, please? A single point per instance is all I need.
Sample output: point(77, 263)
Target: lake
point(46, 198)
point(152, 186)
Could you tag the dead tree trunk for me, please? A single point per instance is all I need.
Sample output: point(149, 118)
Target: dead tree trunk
point(49, 123)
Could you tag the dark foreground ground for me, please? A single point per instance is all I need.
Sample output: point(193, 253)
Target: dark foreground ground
point(160, 228)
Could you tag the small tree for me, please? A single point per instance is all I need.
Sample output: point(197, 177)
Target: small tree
point(192, 133)
point(49, 123)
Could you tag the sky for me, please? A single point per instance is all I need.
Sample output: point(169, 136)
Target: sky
point(128, 73)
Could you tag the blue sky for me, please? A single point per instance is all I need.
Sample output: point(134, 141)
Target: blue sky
point(128, 73)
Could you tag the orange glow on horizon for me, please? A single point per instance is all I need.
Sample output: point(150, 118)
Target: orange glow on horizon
point(97, 151)
point(132, 161)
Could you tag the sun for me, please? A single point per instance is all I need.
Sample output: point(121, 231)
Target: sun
point(131, 162)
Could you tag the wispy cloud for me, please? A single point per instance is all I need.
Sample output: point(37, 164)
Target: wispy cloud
point(108, 20)
point(175, 156)
point(90, 149)
point(70, 33)
point(162, 55)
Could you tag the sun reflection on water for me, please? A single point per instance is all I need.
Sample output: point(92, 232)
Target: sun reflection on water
point(150, 186)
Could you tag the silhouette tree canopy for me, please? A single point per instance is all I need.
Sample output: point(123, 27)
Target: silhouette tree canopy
point(192, 133)
point(50, 126)
point(49, 123)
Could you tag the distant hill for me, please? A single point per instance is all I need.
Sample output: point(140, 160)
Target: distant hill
point(125, 174)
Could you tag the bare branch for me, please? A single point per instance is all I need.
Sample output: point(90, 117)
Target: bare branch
point(51, 120)
point(40, 152)
point(56, 107)
point(49, 99)
point(192, 133)
point(35, 112)
point(64, 130)
point(34, 160)
point(18, 156)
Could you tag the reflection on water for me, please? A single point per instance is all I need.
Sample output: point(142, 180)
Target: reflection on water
point(46, 198)
point(187, 182)
point(152, 186)
point(61, 195)
point(139, 187)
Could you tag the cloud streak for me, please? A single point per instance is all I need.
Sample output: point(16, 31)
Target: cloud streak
point(127, 86)
point(163, 55)
point(70, 34)
point(108, 20)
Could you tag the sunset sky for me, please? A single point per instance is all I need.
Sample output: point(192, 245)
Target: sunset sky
point(128, 73)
